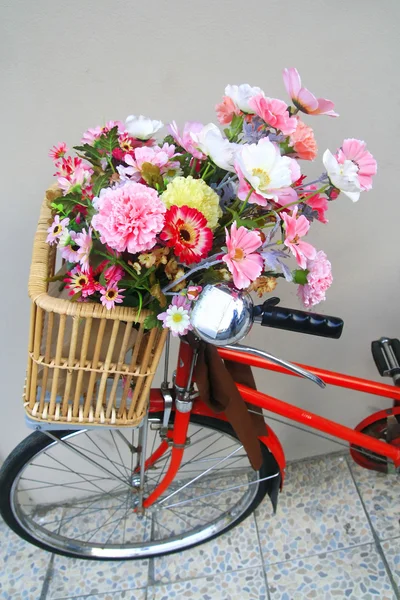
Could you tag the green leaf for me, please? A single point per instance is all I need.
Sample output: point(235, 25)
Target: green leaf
point(300, 276)
point(108, 141)
point(91, 154)
point(58, 207)
point(101, 182)
point(102, 279)
point(151, 321)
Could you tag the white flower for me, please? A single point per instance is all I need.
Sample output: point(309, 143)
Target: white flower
point(241, 94)
point(141, 127)
point(265, 169)
point(343, 176)
point(211, 142)
point(177, 319)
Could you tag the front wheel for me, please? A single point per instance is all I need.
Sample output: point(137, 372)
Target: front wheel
point(82, 503)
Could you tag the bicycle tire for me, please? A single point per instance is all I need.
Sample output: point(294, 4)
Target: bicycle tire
point(34, 444)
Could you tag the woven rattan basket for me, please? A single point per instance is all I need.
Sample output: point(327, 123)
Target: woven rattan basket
point(87, 365)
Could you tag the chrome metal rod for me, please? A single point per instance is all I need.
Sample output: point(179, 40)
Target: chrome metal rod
point(279, 361)
point(142, 445)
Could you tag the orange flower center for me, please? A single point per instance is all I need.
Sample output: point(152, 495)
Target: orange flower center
point(82, 280)
point(57, 229)
point(111, 294)
point(239, 254)
point(187, 234)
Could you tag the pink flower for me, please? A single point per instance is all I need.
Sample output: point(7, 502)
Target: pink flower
point(303, 99)
point(318, 203)
point(159, 157)
point(58, 151)
point(295, 228)
point(113, 274)
point(241, 259)
point(80, 282)
point(355, 150)
point(111, 295)
point(185, 140)
point(68, 247)
point(79, 179)
point(93, 134)
point(67, 165)
point(56, 229)
point(193, 292)
point(129, 217)
point(226, 110)
point(85, 243)
point(319, 279)
point(274, 112)
point(303, 141)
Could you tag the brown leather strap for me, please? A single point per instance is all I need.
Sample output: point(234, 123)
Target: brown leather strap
point(216, 383)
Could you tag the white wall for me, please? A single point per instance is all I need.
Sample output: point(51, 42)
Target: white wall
point(66, 66)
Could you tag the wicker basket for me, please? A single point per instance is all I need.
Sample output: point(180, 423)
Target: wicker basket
point(87, 365)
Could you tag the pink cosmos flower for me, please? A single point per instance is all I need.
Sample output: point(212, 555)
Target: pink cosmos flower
point(274, 112)
point(85, 243)
point(356, 151)
point(58, 151)
point(177, 317)
point(226, 110)
point(93, 134)
point(160, 157)
point(303, 141)
point(242, 260)
point(295, 228)
point(111, 295)
point(319, 279)
point(129, 217)
point(303, 99)
point(67, 165)
point(56, 229)
point(76, 181)
point(185, 140)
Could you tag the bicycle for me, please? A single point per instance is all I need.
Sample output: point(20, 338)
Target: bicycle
point(182, 477)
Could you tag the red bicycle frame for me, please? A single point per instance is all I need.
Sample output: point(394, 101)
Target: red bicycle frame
point(177, 436)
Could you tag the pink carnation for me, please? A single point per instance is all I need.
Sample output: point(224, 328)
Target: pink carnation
point(303, 141)
point(93, 134)
point(319, 279)
point(226, 110)
point(129, 217)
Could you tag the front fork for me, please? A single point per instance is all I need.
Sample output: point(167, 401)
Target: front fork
point(177, 438)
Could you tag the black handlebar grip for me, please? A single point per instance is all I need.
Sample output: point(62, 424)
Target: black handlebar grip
point(302, 322)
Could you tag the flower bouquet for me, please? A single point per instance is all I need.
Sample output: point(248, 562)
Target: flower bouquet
point(146, 223)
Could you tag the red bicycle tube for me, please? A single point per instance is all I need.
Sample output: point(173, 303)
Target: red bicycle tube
point(181, 425)
point(184, 363)
point(330, 377)
point(316, 422)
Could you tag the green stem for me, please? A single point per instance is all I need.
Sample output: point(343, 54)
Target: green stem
point(244, 204)
point(194, 165)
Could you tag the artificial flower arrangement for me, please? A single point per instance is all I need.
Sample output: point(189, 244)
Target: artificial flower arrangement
point(147, 224)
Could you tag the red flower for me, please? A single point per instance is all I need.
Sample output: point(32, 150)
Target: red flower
point(79, 282)
point(187, 233)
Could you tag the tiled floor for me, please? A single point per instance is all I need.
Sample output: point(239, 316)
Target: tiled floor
point(336, 535)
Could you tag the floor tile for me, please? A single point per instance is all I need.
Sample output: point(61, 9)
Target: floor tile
point(248, 584)
point(391, 549)
point(380, 494)
point(23, 567)
point(349, 574)
point(73, 577)
point(124, 595)
point(233, 550)
point(319, 510)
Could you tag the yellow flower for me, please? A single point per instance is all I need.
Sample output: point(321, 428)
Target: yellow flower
point(263, 285)
point(195, 193)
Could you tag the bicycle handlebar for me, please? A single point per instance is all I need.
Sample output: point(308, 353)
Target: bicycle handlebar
point(299, 320)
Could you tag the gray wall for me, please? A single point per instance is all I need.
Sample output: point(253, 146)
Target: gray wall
point(66, 66)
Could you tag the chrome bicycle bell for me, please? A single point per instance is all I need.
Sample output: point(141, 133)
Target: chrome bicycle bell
point(222, 315)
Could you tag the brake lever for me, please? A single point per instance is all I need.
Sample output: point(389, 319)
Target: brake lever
point(279, 361)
